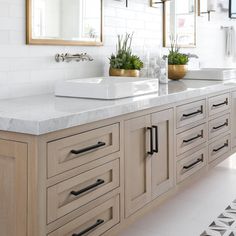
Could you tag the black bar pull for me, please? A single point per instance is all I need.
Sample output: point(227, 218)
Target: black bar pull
point(151, 141)
point(99, 222)
point(194, 163)
point(191, 139)
point(98, 182)
point(156, 139)
point(98, 145)
point(220, 126)
point(220, 104)
point(223, 146)
point(193, 113)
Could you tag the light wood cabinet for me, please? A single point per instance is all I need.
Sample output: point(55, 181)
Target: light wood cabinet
point(163, 160)
point(13, 188)
point(148, 158)
point(137, 164)
point(233, 118)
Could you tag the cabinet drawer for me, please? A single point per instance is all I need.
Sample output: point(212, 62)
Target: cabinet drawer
point(191, 138)
point(189, 113)
point(79, 190)
point(93, 223)
point(219, 126)
point(191, 164)
point(219, 147)
point(218, 103)
point(77, 150)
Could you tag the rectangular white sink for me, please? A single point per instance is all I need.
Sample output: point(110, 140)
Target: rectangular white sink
point(106, 87)
point(219, 74)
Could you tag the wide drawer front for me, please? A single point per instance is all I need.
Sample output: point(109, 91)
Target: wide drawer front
point(218, 103)
point(77, 150)
point(219, 147)
point(77, 191)
point(191, 138)
point(93, 223)
point(191, 164)
point(219, 126)
point(189, 113)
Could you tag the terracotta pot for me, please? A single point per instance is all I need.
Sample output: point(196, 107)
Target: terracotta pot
point(124, 73)
point(177, 72)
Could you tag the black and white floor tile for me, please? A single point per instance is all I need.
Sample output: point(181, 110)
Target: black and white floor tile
point(225, 224)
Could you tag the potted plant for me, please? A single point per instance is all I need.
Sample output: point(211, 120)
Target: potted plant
point(124, 62)
point(177, 62)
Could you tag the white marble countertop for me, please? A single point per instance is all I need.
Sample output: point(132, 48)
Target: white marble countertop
point(46, 113)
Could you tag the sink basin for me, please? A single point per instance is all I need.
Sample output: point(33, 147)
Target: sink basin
point(212, 74)
point(106, 87)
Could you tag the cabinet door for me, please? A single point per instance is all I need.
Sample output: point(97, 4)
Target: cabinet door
point(137, 164)
point(13, 188)
point(163, 159)
point(233, 119)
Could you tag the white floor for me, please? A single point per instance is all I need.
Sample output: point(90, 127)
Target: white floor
point(190, 212)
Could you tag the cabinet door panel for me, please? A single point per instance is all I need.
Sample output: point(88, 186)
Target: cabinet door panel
point(13, 188)
point(137, 164)
point(233, 120)
point(163, 160)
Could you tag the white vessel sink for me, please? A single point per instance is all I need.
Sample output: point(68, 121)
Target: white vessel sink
point(106, 87)
point(212, 74)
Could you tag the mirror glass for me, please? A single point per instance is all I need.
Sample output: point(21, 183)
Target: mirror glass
point(232, 9)
point(61, 21)
point(180, 22)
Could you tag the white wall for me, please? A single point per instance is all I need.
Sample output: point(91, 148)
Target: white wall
point(27, 70)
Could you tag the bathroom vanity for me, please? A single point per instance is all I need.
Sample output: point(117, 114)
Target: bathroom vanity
point(73, 167)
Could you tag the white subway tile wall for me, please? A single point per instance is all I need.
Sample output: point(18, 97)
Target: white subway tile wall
point(29, 70)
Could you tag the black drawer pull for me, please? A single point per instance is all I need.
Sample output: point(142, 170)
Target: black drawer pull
point(223, 146)
point(193, 164)
point(156, 139)
point(220, 126)
point(99, 222)
point(151, 141)
point(193, 113)
point(98, 145)
point(220, 104)
point(98, 182)
point(191, 139)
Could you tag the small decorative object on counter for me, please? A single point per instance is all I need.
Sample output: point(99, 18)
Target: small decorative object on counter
point(124, 62)
point(177, 62)
point(163, 70)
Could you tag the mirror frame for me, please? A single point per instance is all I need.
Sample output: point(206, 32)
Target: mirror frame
point(31, 41)
point(164, 28)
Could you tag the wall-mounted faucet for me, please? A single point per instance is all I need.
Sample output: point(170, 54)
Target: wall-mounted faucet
point(73, 57)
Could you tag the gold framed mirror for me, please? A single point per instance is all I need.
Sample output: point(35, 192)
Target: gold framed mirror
point(179, 21)
point(64, 22)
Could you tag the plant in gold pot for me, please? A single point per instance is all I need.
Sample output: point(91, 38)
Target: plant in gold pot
point(177, 62)
point(124, 62)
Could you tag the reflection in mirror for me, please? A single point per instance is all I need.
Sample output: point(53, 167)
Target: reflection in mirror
point(232, 9)
point(65, 22)
point(180, 22)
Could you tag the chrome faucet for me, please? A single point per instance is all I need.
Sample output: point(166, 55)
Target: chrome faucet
point(192, 55)
point(73, 57)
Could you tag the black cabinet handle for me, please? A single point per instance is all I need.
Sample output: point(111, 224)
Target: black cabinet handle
point(151, 141)
point(193, 113)
point(99, 222)
point(225, 124)
point(223, 146)
point(194, 163)
point(156, 139)
point(220, 104)
point(77, 193)
point(191, 139)
point(99, 144)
